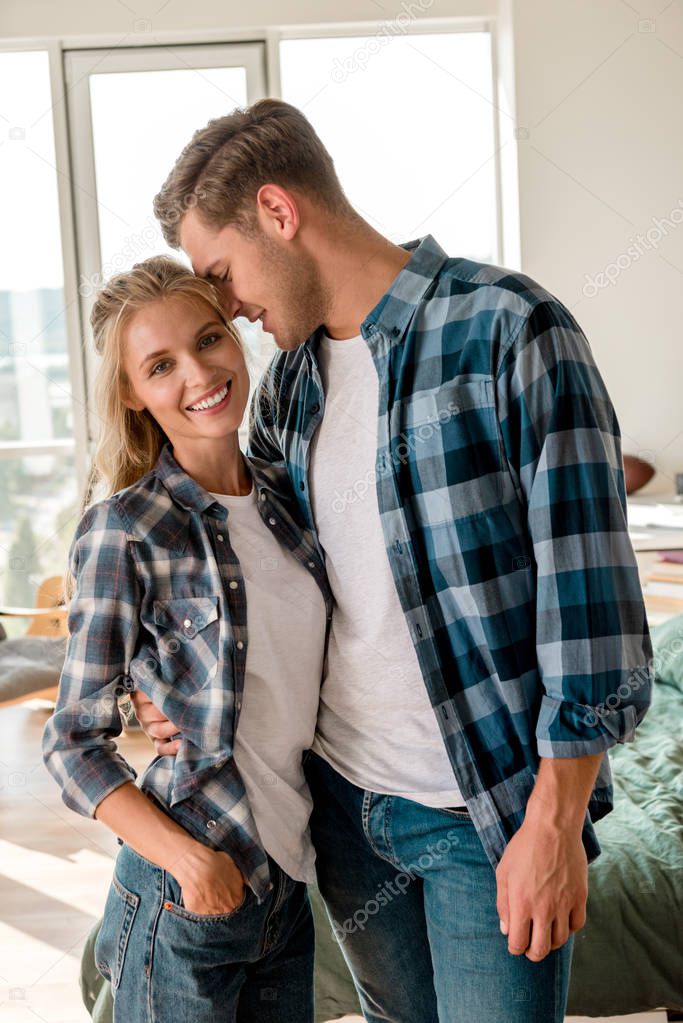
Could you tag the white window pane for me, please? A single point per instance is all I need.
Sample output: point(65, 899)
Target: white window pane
point(35, 393)
point(38, 516)
point(408, 120)
point(136, 141)
point(141, 121)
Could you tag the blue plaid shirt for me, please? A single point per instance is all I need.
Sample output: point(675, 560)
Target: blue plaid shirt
point(160, 606)
point(500, 487)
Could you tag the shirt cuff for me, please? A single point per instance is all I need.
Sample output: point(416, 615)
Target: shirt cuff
point(99, 778)
point(566, 729)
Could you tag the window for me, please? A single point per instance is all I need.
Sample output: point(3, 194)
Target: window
point(136, 109)
point(38, 498)
point(407, 114)
point(409, 121)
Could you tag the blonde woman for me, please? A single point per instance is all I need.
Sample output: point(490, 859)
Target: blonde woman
point(207, 916)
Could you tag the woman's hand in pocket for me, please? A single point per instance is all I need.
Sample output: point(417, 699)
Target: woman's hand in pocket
point(211, 882)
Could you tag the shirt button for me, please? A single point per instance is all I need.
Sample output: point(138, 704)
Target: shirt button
point(238, 703)
point(314, 409)
point(187, 623)
point(240, 644)
point(311, 564)
point(272, 521)
point(220, 537)
point(211, 824)
point(233, 584)
point(262, 495)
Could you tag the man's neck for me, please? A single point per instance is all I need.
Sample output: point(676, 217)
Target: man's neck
point(358, 268)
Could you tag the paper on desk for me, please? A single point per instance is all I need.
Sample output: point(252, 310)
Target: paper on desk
point(664, 516)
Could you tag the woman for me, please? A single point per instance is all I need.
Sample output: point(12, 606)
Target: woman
point(207, 917)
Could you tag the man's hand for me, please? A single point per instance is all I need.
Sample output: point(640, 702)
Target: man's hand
point(542, 888)
point(155, 726)
point(542, 876)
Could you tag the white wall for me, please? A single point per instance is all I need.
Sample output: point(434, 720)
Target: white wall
point(602, 99)
point(598, 93)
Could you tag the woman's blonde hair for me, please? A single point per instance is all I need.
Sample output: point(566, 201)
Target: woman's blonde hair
point(129, 442)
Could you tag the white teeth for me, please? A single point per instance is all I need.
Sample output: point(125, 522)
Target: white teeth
point(215, 399)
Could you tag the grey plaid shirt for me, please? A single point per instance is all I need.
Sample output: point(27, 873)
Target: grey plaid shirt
point(160, 606)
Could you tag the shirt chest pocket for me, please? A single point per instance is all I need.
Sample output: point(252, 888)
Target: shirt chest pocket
point(187, 631)
point(455, 449)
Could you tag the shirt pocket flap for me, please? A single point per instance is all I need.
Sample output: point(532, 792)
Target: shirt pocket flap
point(186, 616)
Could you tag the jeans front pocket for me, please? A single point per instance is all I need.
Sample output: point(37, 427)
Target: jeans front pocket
point(205, 941)
point(177, 906)
point(462, 815)
point(110, 946)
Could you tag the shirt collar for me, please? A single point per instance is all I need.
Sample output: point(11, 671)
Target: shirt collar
point(395, 309)
point(187, 493)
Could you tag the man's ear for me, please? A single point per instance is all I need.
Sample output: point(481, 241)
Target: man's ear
point(278, 211)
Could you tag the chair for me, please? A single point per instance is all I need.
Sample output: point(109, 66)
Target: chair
point(31, 664)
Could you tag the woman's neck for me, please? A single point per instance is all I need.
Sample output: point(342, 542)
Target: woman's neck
point(217, 465)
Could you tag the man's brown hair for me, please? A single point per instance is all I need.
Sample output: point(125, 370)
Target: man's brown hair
point(222, 168)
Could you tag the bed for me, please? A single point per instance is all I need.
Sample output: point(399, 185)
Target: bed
point(629, 956)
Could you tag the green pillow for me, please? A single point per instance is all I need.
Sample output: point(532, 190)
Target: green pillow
point(667, 645)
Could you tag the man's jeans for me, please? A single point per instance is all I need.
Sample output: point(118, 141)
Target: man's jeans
point(412, 898)
point(168, 965)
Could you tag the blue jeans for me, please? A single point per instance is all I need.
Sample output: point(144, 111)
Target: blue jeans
point(412, 900)
point(168, 965)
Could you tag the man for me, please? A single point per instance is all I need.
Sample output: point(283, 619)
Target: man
point(447, 434)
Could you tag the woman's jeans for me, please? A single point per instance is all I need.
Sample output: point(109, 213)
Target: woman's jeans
point(168, 965)
point(412, 899)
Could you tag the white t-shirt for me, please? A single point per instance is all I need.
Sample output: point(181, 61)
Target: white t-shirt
point(286, 622)
point(376, 725)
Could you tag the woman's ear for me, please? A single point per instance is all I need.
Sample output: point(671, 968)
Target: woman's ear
point(135, 406)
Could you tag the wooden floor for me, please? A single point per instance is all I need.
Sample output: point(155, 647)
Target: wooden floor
point(55, 870)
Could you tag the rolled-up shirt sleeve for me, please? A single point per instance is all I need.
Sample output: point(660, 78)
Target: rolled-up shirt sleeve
point(78, 748)
point(563, 445)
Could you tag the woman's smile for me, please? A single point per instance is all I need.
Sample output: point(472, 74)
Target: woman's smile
point(213, 402)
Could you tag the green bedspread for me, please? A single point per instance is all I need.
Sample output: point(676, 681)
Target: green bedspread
point(629, 956)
